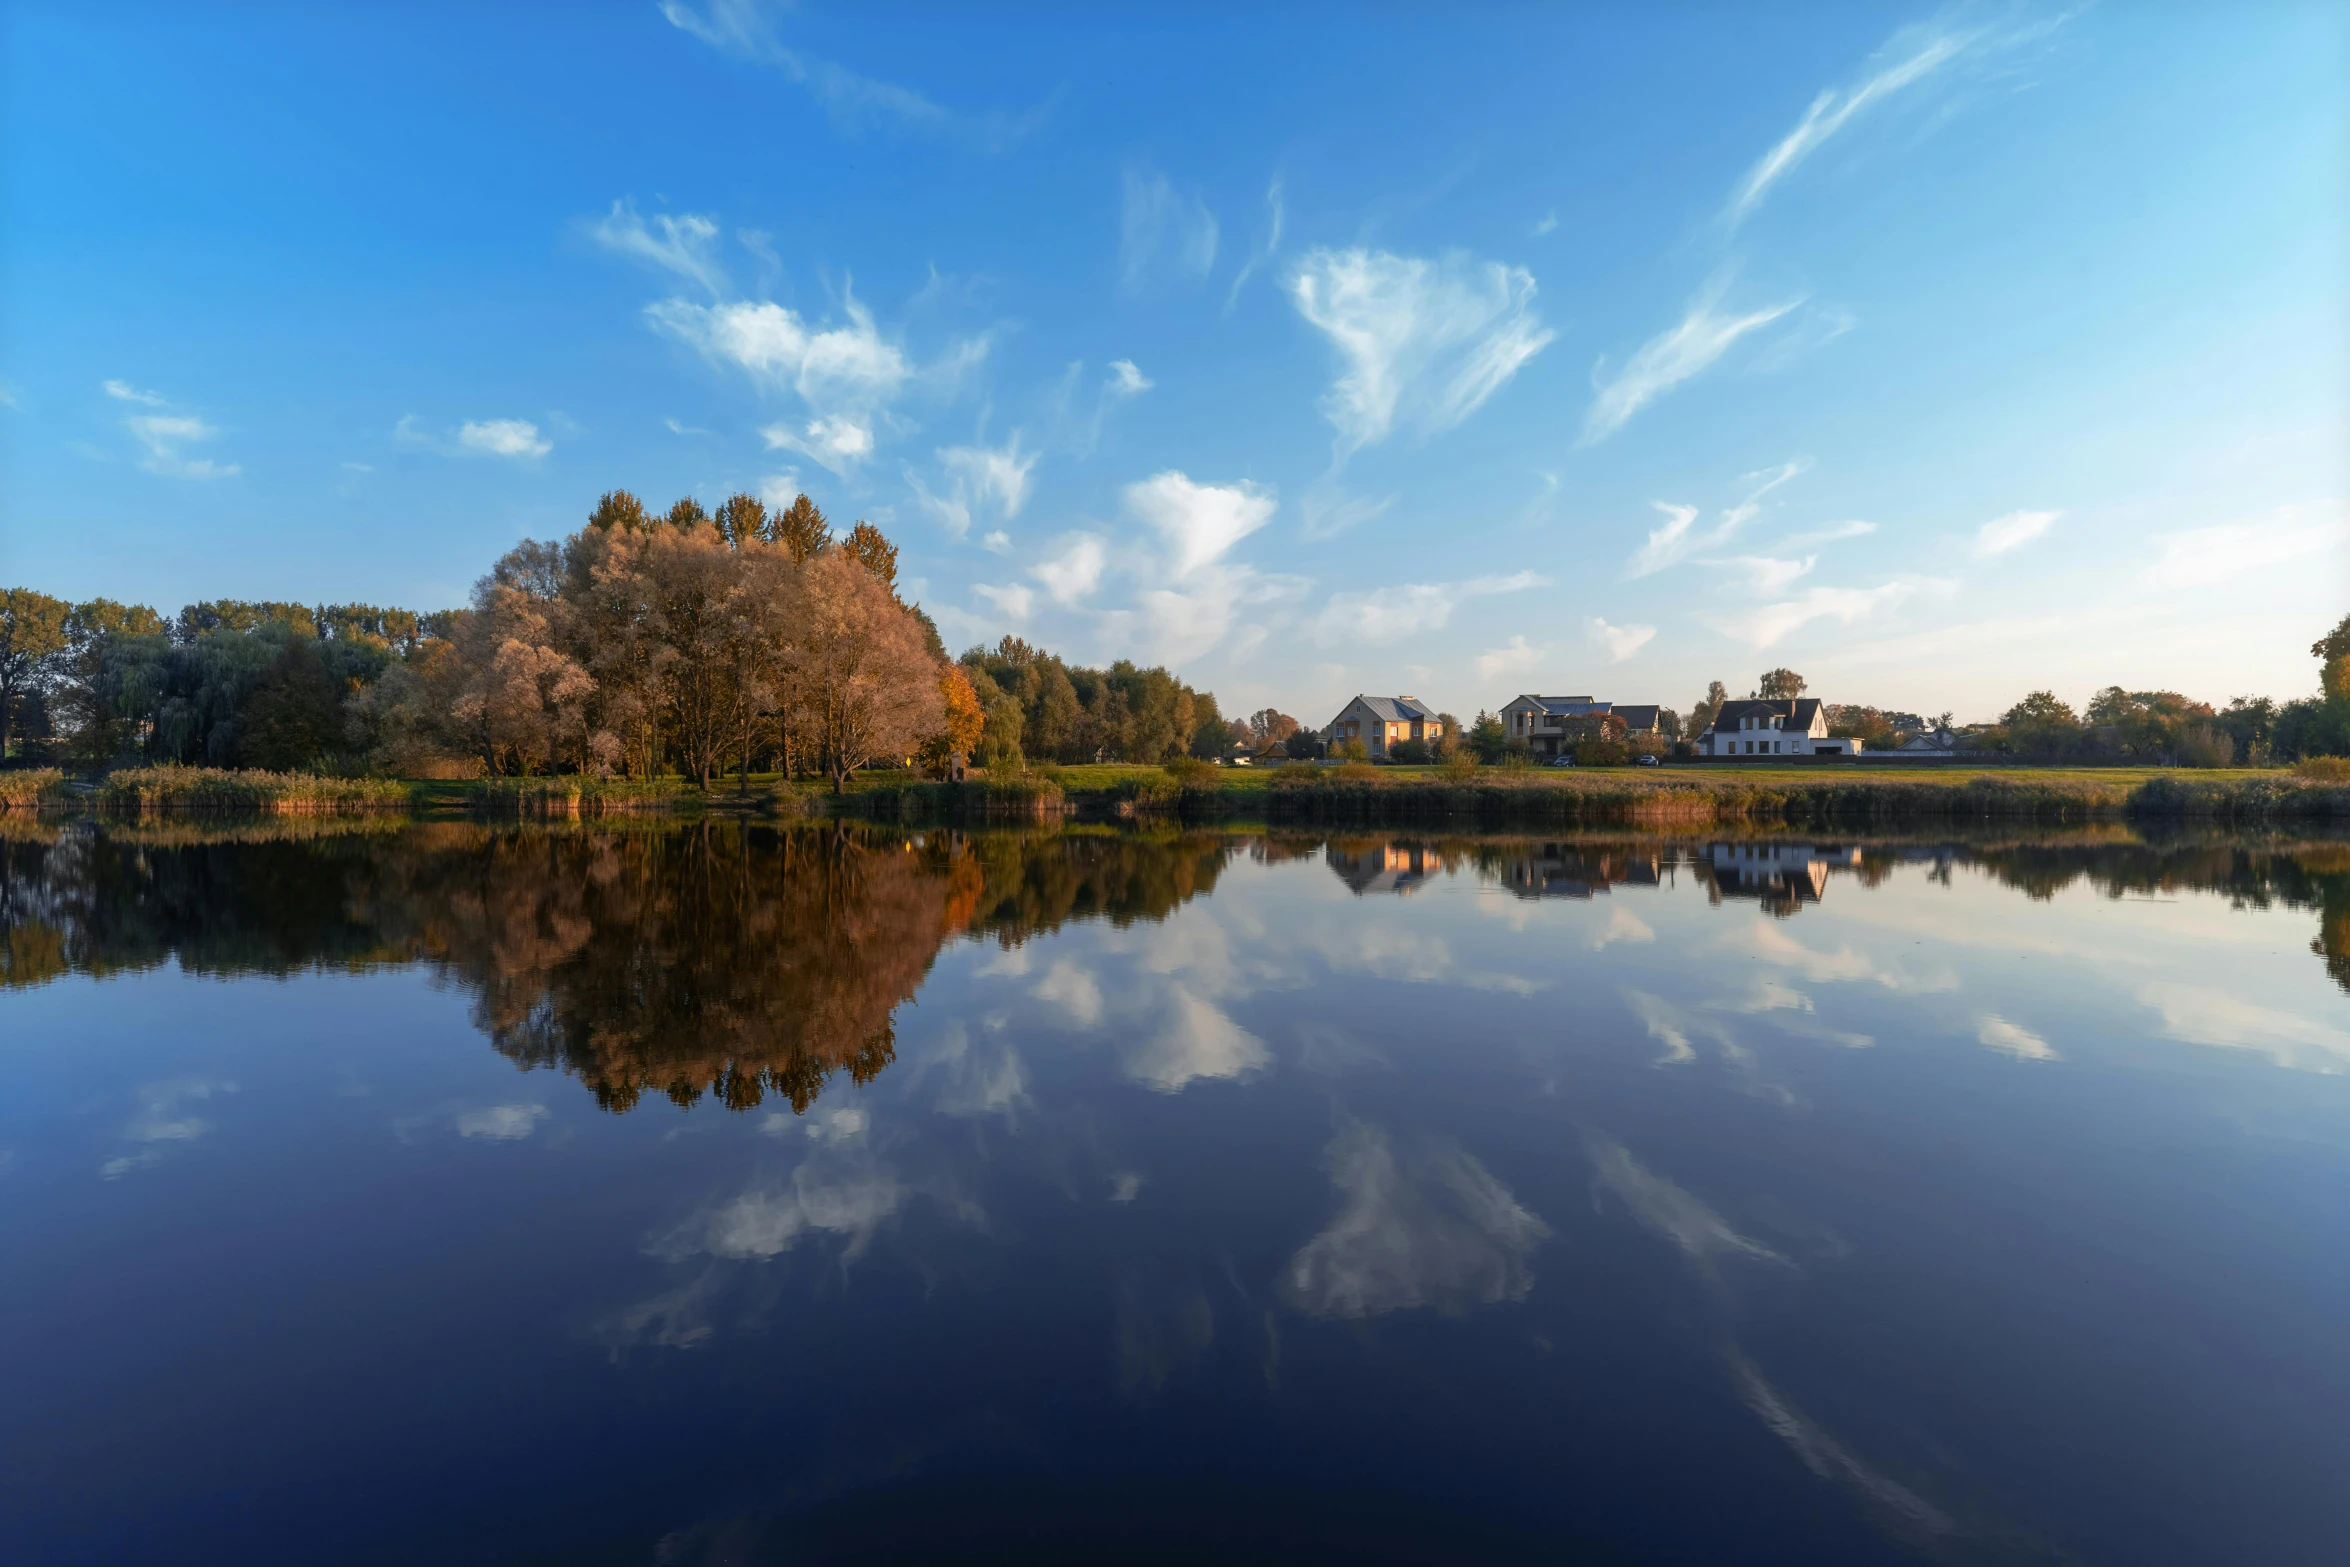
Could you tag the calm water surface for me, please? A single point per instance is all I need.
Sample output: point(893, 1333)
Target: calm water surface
point(716, 1195)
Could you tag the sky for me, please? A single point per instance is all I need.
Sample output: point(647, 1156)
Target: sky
point(1941, 354)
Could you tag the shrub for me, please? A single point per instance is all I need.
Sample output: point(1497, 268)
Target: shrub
point(2204, 746)
point(2323, 769)
point(1601, 753)
point(1189, 770)
point(25, 788)
point(1411, 753)
point(140, 789)
point(1351, 751)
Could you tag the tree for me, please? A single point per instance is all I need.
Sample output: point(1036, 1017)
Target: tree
point(618, 509)
point(864, 683)
point(32, 640)
point(2042, 724)
point(742, 519)
point(2332, 652)
point(801, 529)
point(965, 720)
point(1269, 726)
point(1780, 685)
point(1211, 737)
point(1702, 716)
point(687, 514)
point(1488, 738)
point(870, 549)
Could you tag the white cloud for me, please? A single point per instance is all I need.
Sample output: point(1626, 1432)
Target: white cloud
point(1771, 623)
point(1200, 522)
point(846, 374)
point(1424, 343)
point(164, 434)
point(1997, 1033)
point(359, 467)
point(980, 478)
point(1326, 512)
point(680, 427)
point(501, 1123)
point(1833, 533)
point(849, 1199)
point(1767, 573)
point(124, 392)
point(1550, 221)
point(1431, 1229)
point(1197, 1041)
point(503, 438)
point(1622, 925)
point(1704, 333)
point(1620, 642)
point(1909, 57)
point(163, 1120)
point(1678, 537)
point(1075, 572)
point(1071, 986)
point(998, 541)
point(2012, 531)
point(1126, 380)
point(779, 489)
point(2198, 557)
point(683, 245)
point(1159, 230)
point(1014, 600)
point(1514, 657)
point(1409, 609)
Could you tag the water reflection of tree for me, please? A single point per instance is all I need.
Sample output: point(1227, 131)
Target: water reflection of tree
point(713, 959)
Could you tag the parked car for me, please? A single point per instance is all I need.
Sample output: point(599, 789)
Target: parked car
point(1644, 760)
point(1563, 761)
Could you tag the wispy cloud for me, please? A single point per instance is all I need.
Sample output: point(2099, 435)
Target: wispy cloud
point(1199, 522)
point(2012, 531)
point(1408, 609)
point(1620, 642)
point(2197, 557)
point(1514, 657)
point(1326, 511)
point(1767, 573)
point(1550, 221)
point(1014, 601)
point(684, 245)
point(1771, 623)
point(1909, 57)
point(1425, 342)
point(1161, 232)
point(1704, 333)
point(1070, 576)
point(1678, 537)
point(1834, 532)
point(745, 30)
point(124, 392)
point(980, 480)
point(503, 438)
point(165, 435)
point(1266, 247)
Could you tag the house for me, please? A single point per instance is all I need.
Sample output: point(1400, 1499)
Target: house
point(1935, 742)
point(1551, 724)
point(1762, 727)
point(1783, 876)
point(1383, 721)
point(1383, 867)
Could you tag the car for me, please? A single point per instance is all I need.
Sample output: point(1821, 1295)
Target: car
point(1645, 759)
point(1562, 761)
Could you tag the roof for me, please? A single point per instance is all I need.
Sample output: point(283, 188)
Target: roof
point(1639, 716)
point(1564, 706)
point(1799, 711)
point(1395, 709)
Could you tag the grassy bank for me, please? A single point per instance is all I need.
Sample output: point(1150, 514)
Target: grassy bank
point(30, 788)
point(141, 790)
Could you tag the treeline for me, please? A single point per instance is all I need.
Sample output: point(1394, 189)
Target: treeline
point(741, 640)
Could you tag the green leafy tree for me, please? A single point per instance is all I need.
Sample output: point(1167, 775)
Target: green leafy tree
point(619, 509)
point(1488, 739)
point(2042, 724)
point(32, 641)
point(1702, 716)
point(1780, 685)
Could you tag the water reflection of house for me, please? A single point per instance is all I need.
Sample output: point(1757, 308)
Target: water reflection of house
point(1383, 867)
point(1783, 876)
point(1561, 870)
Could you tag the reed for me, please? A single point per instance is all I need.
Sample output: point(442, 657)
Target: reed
point(1012, 797)
point(31, 788)
point(574, 795)
point(141, 790)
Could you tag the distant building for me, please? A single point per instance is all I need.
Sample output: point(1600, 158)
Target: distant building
point(1936, 742)
point(1384, 721)
point(1383, 867)
point(1551, 724)
point(1785, 727)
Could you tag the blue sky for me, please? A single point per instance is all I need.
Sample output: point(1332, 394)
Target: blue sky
point(1939, 353)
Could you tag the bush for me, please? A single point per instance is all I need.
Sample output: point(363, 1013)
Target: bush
point(2204, 746)
point(1190, 770)
point(1351, 751)
point(1601, 753)
point(22, 789)
point(2323, 769)
point(1410, 753)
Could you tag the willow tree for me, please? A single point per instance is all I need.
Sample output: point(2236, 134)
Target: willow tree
point(32, 638)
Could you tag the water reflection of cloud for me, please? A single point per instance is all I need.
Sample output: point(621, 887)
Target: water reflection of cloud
point(1828, 1458)
point(1622, 925)
point(1432, 1229)
point(1197, 1040)
point(1163, 1328)
point(1070, 986)
point(501, 1123)
point(1997, 1033)
point(1329, 1051)
point(1669, 1210)
point(2211, 1017)
point(162, 1122)
point(1672, 1026)
point(849, 1199)
point(1388, 951)
point(1771, 944)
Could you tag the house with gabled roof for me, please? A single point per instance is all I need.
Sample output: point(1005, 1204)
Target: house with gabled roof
point(1551, 724)
point(1384, 721)
point(1758, 726)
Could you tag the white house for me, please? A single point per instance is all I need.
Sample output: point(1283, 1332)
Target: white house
point(1550, 724)
point(1383, 721)
point(1786, 727)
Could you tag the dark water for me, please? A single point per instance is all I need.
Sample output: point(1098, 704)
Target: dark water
point(708, 1195)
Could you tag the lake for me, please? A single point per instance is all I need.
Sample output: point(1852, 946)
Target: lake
point(732, 1194)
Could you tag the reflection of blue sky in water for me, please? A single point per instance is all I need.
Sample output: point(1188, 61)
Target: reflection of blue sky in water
point(1905, 1217)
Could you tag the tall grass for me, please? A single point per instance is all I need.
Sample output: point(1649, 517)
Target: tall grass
point(29, 788)
point(139, 790)
point(573, 795)
point(1008, 797)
